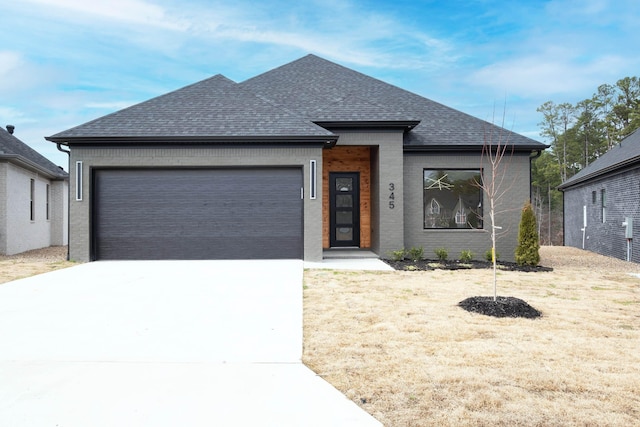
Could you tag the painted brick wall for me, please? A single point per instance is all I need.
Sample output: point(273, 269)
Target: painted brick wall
point(516, 183)
point(59, 212)
point(3, 207)
point(79, 244)
point(622, 200)
point(24, 234)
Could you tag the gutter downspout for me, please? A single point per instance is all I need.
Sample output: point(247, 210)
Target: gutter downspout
point(68, 199)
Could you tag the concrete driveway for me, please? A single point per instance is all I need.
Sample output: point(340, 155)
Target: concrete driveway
point(162, 343)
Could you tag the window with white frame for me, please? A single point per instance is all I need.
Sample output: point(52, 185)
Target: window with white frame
point(452, 198)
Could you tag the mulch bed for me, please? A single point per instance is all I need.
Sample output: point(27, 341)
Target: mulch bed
point(502, 307)
point(430, 264)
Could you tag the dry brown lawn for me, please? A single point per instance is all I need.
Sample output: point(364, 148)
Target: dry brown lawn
point(34, 262)
point(397, 344)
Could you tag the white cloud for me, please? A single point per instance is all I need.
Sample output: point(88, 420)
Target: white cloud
point(9, 62)
point(110, 106)
point(532, 76)
point(127, 11)
point(353, 36)
point(10, 114)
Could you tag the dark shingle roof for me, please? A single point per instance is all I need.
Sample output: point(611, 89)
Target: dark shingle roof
point(318, 88)
point(12, 149)
point(624, 154)
point(215, 107)
point(292, 100)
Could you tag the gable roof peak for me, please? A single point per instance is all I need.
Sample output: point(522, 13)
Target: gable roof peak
point(14, 150)
point(216, 108)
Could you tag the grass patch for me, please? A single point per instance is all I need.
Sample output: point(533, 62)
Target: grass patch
point(396, 344)
point(626, 302)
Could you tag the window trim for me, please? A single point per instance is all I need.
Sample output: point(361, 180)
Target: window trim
point(313, 180)
point(79, 181)
point(603, 204)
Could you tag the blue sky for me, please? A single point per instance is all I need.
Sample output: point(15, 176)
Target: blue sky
point(65, 62)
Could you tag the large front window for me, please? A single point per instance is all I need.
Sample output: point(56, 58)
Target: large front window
point(452, 198)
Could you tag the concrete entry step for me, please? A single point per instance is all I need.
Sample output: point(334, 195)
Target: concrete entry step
point(348, 253)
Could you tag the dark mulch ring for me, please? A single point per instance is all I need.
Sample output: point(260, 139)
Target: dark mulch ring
point(502, 307)
point(430, 264)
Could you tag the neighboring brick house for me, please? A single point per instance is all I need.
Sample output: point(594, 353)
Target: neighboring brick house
point(33, 198)
point(602, 196)
point(305, 158)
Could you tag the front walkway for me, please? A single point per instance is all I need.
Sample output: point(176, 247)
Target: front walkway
point(193, 343)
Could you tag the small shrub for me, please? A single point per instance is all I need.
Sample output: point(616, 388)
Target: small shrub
point(487, 255)
point(397, 255)
point(441, 253)
point(528, 242)
point(466, 256)
point(415, 253)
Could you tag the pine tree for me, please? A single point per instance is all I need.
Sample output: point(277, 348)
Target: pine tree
point(528, 243)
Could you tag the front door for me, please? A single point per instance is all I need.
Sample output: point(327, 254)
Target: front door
point(344, 207)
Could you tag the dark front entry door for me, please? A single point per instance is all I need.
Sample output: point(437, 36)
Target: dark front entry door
point(344, 206)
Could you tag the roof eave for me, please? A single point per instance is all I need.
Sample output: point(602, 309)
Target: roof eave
point(468, 147)
point(404, 125)
point(34, 167)
point(214, 140)
point(600, 172)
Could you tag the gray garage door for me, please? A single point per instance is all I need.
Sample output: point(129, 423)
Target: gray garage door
point(197, 214)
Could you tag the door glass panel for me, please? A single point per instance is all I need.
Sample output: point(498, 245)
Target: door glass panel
point(344, 233)
point(344, 217)
point(344, 201)
point(344, 184)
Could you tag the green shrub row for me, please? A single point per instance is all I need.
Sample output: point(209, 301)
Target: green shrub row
point(442, 254)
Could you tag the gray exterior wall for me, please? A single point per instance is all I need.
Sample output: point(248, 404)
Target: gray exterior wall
point(622, 200)
point(387, 162)
point(79, 244)
point(516, 183)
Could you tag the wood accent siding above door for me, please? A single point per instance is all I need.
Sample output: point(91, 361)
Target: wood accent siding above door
point(348, 159)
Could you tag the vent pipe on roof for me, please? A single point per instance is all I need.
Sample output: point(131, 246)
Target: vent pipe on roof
point(10, 129)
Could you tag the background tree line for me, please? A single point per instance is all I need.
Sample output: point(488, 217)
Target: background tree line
point(578, 134)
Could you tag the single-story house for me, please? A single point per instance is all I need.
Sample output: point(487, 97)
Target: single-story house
point(33, 198)
point(602, 203)
point(308, 157)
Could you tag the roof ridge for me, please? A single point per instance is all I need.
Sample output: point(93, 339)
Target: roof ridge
point(216, 77)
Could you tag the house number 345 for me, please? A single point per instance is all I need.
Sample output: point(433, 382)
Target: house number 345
point(392, 196)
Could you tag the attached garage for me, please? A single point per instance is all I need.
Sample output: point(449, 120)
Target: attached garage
point(173, 213)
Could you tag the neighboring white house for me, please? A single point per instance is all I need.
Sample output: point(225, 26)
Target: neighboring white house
point(33, 198)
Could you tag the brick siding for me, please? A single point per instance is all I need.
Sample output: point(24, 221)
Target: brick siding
point(622, 200)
